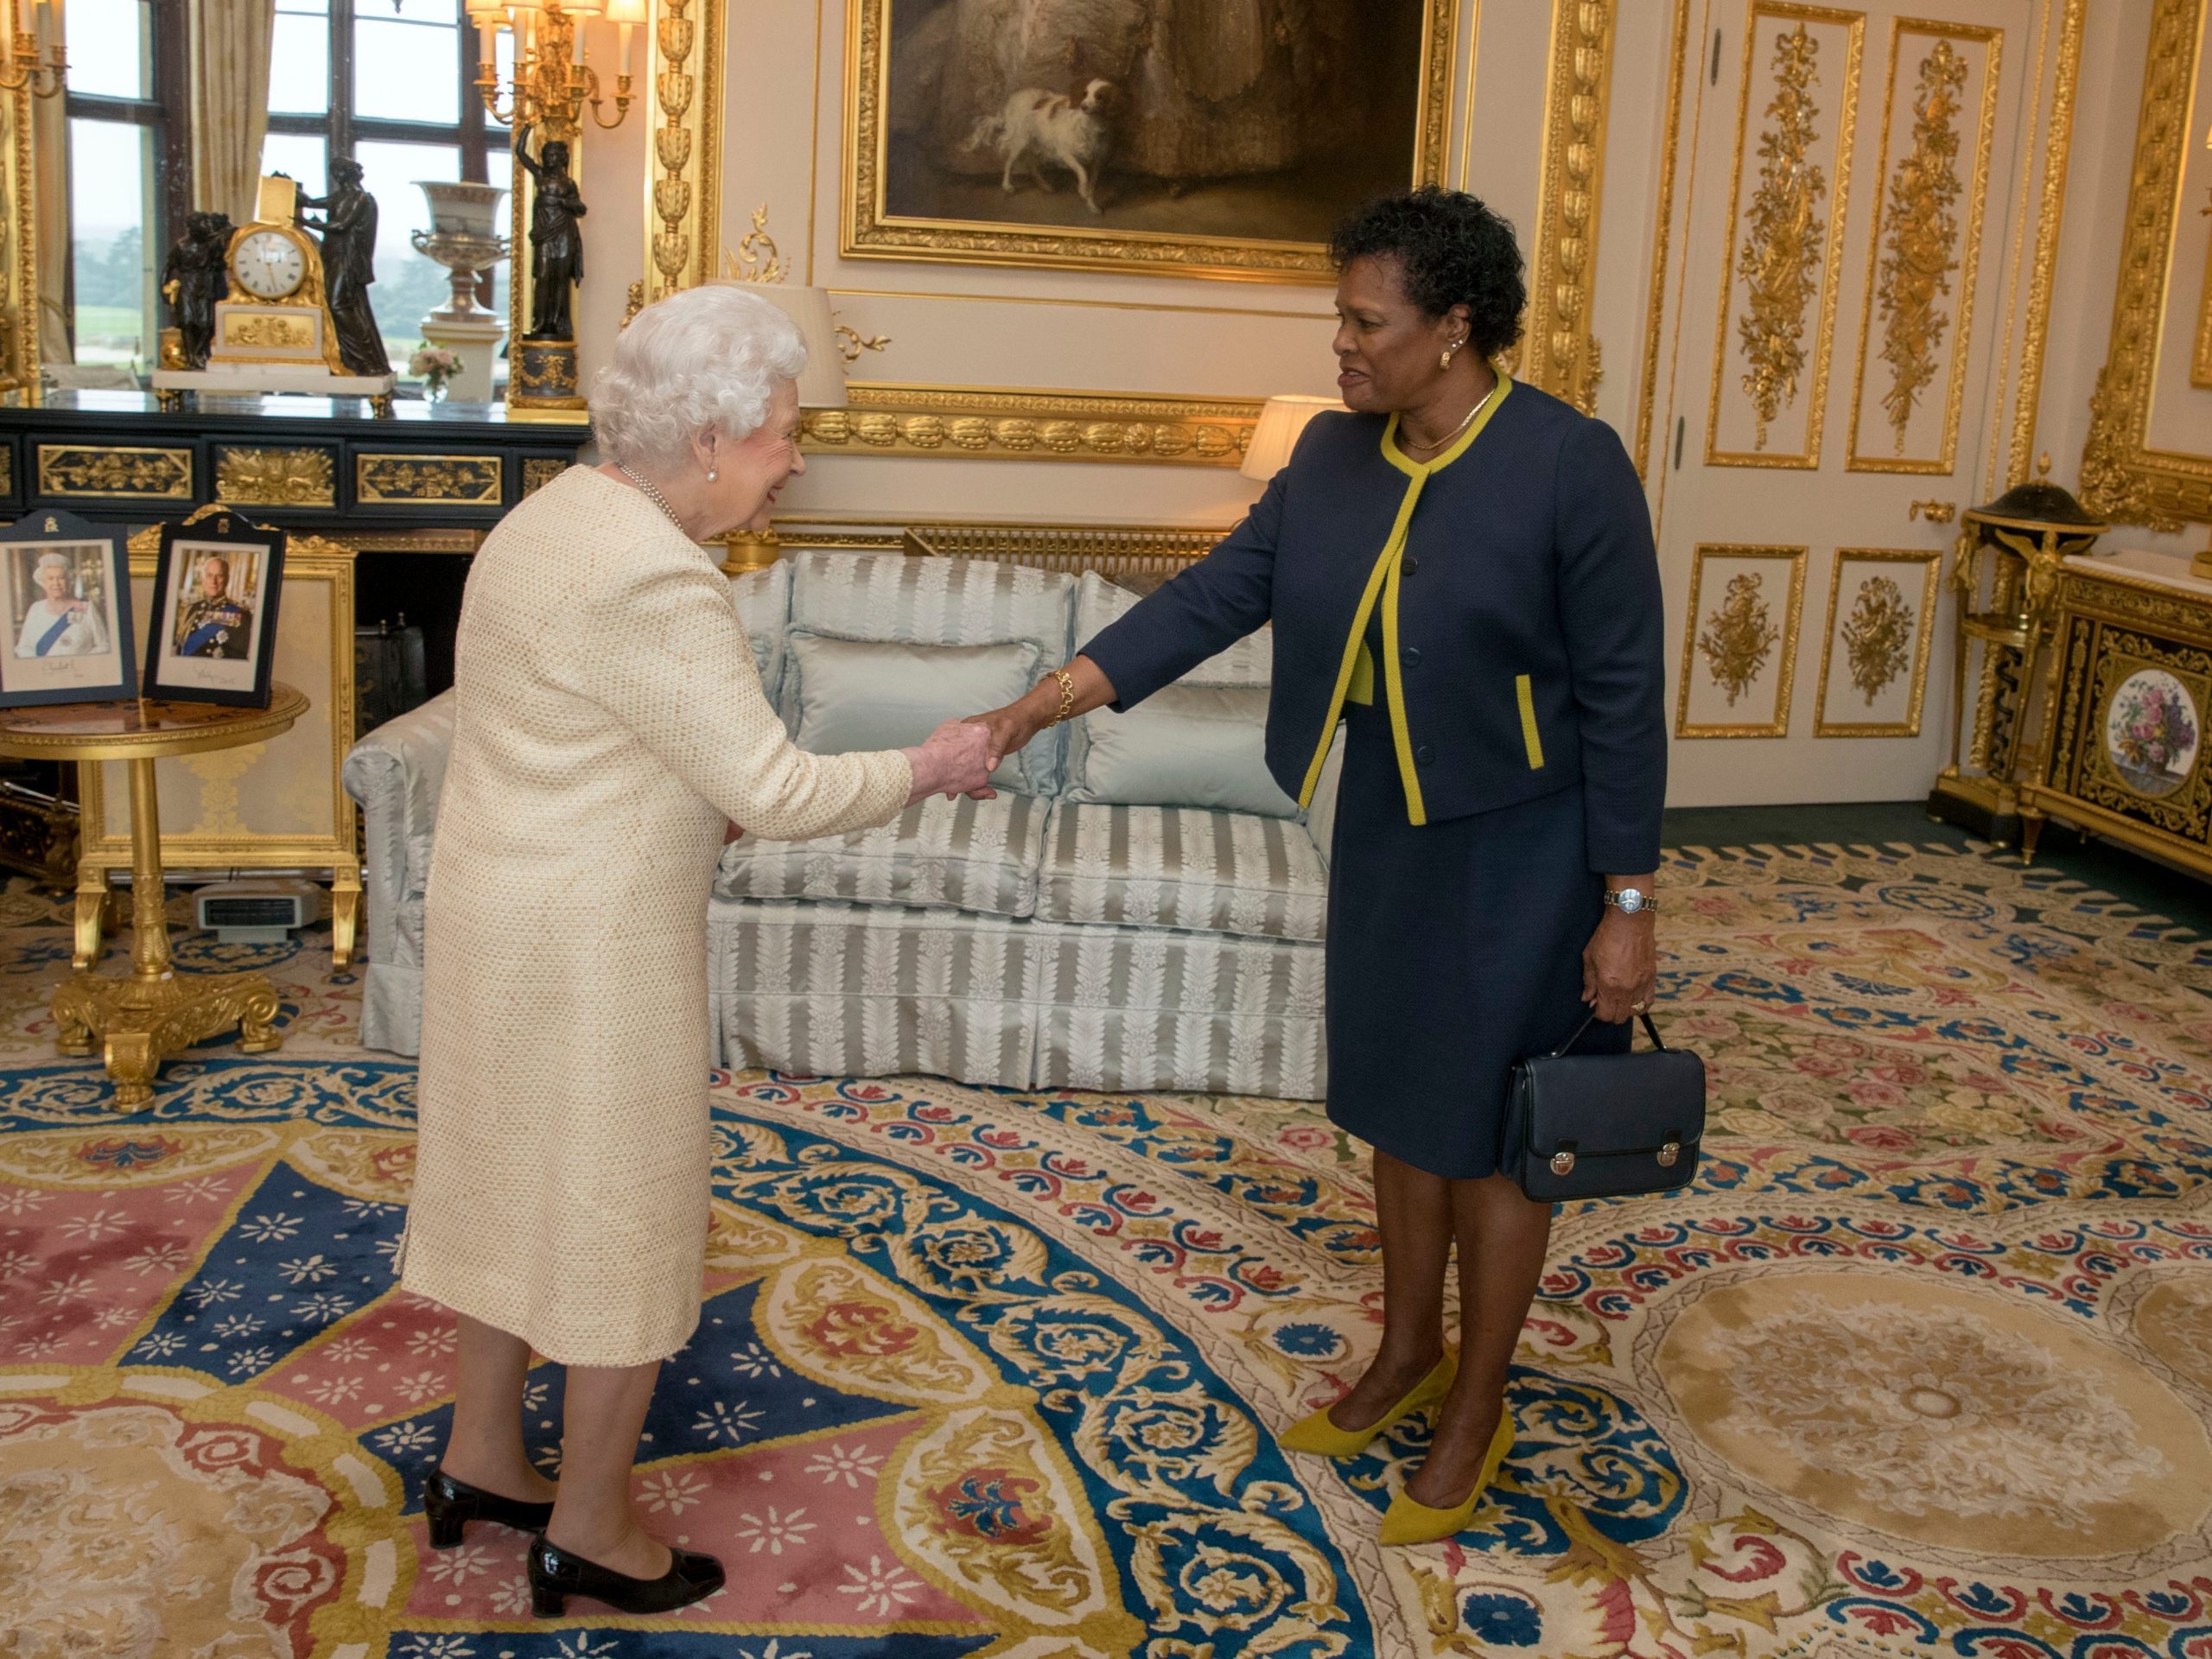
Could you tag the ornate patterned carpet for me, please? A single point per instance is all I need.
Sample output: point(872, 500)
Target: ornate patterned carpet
point(1923, 1364)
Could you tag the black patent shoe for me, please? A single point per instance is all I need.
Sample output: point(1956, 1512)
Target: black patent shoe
point(555, 1574)
point(451, 1505)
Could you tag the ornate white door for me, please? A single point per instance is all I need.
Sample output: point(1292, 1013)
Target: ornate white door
point(1836, 337)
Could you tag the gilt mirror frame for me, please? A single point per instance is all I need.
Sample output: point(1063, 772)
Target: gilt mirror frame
point(2124, 478)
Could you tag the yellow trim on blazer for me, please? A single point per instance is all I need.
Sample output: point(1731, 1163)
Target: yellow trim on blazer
point(1384, 580)
point(1526, 692)
point(1363, 680)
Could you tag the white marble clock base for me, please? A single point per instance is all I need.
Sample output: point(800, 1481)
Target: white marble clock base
point(276, 377)
point(169, 384)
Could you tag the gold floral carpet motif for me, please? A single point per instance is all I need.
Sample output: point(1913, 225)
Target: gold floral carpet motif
point(1921, 1364)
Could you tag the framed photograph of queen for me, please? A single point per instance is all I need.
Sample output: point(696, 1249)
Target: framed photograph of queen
point(216, 587)
point(65, 609)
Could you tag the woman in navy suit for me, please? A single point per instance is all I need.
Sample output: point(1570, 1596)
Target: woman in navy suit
point(1461, 570)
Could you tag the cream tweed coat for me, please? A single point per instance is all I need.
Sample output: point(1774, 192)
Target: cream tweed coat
point(609, 719)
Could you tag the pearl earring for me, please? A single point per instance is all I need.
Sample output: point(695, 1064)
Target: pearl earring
point(712, 474)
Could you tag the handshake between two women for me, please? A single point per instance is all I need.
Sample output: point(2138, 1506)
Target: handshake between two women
point(959, 757)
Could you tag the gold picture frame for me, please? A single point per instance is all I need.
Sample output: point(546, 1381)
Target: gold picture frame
point(2124, 477)
point(1731, 644)
point(1872, 652)
point(869, 230)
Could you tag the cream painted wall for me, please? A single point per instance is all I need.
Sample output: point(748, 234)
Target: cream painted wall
point(951, 324)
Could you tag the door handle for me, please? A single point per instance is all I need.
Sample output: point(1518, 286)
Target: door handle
point(1936, 512)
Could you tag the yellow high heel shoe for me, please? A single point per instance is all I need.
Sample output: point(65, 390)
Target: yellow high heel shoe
point(1409, 1521)
point(1316, 1434)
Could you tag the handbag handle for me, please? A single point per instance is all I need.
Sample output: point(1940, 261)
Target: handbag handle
point(1643, 1015)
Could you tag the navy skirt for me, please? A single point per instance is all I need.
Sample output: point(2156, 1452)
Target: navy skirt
point(1454, 950)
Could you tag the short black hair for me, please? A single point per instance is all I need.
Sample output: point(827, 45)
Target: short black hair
point(1451, 250)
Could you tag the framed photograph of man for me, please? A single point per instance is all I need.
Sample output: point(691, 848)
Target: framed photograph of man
point(65, 610)
point(1184, 137)
point(216, 587)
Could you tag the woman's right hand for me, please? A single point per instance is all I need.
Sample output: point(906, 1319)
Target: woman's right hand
point(957, 760)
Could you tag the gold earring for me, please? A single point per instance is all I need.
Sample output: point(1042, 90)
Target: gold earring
point(1445, 361)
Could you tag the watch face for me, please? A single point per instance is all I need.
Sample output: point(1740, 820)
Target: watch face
point(1629, 900)
point(268, 264)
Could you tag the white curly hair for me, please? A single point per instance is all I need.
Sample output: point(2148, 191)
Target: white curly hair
point(706, 357)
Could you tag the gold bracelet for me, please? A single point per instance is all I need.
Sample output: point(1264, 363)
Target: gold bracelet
point(1067, 696)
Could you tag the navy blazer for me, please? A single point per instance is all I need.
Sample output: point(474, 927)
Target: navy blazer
point(1521, 614)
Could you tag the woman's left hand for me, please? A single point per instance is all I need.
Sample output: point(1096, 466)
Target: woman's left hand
point(1620, 966)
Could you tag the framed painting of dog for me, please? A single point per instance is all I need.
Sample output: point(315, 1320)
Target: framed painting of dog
point(1218, 138)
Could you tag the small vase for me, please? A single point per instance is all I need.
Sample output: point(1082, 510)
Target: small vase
point(434, 391)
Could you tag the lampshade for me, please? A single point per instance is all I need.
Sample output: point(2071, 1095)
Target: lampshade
point(627, 11)
point(822, 383)
point(577, 8)
point(1282, 419)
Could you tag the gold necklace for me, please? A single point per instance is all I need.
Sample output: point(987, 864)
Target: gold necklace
point(1444, 442)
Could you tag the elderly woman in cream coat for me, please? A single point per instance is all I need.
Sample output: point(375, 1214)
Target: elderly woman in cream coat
point(610, 728)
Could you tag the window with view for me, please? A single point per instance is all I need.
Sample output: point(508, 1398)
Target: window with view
point(389, 83)
point(123, 174)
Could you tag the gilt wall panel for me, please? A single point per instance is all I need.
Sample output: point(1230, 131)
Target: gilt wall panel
point(1874, 657)
point(1916, 324)
point(1792, 186)
point(1739, 641)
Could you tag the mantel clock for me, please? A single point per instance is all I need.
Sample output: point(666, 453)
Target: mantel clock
point(276, 310)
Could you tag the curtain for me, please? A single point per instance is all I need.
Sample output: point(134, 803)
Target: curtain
point(50, 171)
point(229, 101)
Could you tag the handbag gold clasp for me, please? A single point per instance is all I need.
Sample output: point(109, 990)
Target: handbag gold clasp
point(1668, 1154)
point(1562, 1163)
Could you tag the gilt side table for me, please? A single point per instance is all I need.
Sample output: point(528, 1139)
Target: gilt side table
point(144, 1018)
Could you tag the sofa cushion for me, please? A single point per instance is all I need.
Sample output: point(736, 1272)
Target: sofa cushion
point(763, 599)
point(1183, 746)
point(979, 857)
point(1250, 661)
point(849, 695)
point(1183, 867)
point(935, 601)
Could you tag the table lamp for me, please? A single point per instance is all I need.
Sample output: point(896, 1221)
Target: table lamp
point(1282, 419)
point(822, 383)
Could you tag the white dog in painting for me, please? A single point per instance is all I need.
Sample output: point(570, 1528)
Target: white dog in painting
point(1044, 127)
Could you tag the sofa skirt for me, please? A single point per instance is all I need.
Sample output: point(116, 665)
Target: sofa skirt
point(830, 989)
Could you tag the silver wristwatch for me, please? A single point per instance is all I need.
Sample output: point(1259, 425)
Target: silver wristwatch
point(1631, 901)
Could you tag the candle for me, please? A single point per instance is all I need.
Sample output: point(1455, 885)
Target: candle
point(56, 36)
point(19, 16)
point(622, 33)
point(576, 23)
point(487, 37)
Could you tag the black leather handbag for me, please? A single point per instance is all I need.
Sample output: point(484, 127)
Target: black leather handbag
point(1603, 1126)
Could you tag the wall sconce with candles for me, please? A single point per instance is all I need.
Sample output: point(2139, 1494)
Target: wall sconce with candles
point(36, 62)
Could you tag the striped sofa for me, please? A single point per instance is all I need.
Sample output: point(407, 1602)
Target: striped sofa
point(1055, 936)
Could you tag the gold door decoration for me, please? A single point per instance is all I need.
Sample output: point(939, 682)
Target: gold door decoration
point(1782, 274)
point(2127, 475)
point(275, 478)
point(1562, 356)
point(273, 805)
point(1923, 262)
point(1739, 641)
point(1874, 656)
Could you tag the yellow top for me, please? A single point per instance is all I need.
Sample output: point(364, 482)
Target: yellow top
point(1356, 674)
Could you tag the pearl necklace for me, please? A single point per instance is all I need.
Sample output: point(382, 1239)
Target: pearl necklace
point(651, 493)
point(1445, 443)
